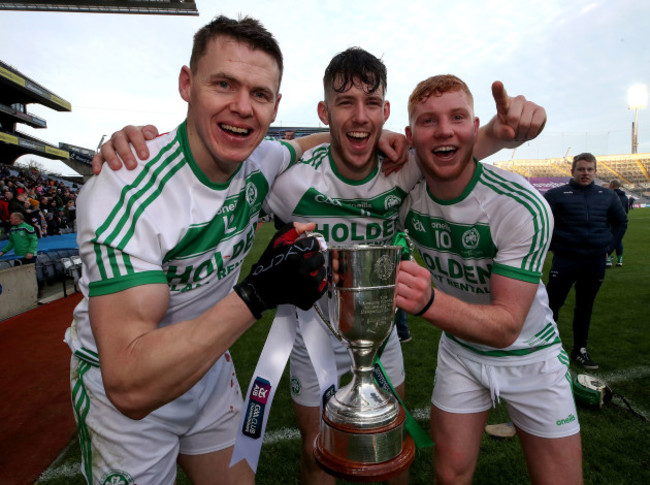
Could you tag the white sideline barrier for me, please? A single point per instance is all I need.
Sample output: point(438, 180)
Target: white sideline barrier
point(19, 290)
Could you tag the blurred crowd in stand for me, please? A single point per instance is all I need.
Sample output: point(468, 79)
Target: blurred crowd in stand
point(48, 203)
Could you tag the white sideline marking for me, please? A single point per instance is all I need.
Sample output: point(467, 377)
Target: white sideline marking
point(70, 470)
point(420, 414)
point(280, 435)
point(624, 375)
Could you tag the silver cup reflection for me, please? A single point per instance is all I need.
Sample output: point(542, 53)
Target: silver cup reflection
point(361, 422)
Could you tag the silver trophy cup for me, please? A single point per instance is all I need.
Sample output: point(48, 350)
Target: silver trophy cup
point(362, 428)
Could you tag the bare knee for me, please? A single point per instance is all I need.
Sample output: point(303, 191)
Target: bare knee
point(308, 419)
point(453, 467)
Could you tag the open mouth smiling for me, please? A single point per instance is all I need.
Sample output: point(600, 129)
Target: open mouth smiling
point(445, 151)
point(358, 135)
point(235, 130)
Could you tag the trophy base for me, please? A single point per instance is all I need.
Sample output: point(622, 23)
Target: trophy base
point(364, 455)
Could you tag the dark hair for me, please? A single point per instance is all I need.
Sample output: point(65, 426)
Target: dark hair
point(588, 157)
point(246, 30)
point(355, 66)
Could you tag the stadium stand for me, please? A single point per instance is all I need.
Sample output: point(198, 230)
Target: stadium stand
point(633, 170)
point(49, 205)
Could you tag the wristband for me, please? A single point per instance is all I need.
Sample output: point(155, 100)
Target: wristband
point(253, 301)
point(426, 307)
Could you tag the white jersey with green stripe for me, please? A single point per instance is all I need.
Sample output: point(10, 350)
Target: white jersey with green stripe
point(499, 225)
point(345, 211)
point(166, 222)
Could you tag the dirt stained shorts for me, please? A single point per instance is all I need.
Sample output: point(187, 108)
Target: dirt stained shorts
point(113, 447)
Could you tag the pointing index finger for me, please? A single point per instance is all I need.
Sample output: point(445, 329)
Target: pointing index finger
point(501, 98)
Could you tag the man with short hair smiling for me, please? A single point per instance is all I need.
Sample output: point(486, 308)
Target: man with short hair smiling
point(153, 384)
point(589, 223)
point(483, 234)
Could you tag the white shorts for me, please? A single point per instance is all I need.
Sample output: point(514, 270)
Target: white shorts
point(203, 420)
point(304, 383)
point(538, 395)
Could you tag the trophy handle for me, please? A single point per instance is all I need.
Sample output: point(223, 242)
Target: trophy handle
point(327, 323)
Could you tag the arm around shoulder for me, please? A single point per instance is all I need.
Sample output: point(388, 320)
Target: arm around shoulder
point(304, 143)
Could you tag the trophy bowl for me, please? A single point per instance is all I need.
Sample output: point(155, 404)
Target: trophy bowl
point(362, 427)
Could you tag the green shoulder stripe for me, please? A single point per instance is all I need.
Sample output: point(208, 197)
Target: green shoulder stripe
point(532, 203)
point(119, 227)
point(113, 285)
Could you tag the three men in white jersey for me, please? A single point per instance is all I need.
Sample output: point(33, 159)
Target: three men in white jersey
point(339, 186)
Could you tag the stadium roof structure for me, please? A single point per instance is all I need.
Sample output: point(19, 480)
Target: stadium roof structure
point(150, 7)
point(18, 88)
point(17, 91)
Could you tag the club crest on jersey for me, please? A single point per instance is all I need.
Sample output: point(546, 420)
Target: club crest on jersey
point(251, 193)
point(296, 386)
point(117, 477)
point(471, 238)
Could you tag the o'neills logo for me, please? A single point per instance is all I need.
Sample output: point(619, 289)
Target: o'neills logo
point(567, 420)
point(255, 410)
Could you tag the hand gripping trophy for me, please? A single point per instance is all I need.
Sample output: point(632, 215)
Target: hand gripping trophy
point(362, 430)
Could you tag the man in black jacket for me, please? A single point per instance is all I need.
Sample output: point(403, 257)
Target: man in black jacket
point(615, 185)
point(589, 223)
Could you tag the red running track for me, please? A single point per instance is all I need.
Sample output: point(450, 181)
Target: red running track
point(36, 420)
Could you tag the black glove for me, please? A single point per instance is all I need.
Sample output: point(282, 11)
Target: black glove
point(290, 270)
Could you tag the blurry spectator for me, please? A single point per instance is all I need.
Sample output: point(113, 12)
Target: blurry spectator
point(15, 205)
point(52, 206)
point(64, 222)
point(22, 239)
point(615, 185)
point(589, 222)
point(55, 198)
point(71, 212)
point(53, 222)
point(35, 218)
point(289, 135)
point(10, 187)
point(5, 225)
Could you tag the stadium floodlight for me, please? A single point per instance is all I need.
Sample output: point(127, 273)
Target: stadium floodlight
point(637, 98)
